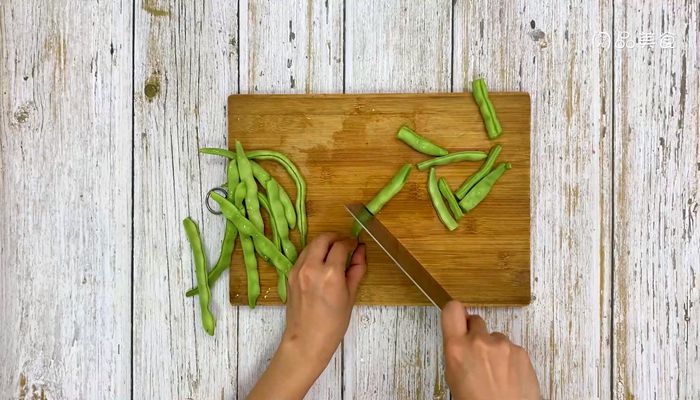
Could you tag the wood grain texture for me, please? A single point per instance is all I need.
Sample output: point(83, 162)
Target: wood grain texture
point(185, 64)
point(549, 50)
point(65, 200)
point(387, 46)
point(286, 47)
point(657, 183)
point(336, 140)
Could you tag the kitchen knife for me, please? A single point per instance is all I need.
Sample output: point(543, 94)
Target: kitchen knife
point(400, 255)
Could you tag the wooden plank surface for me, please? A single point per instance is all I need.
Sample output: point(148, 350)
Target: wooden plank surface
point(346, 150)
point(550, 50)
point(65, 200)
point(395, 352)
point(185, 63)
point(290, 46)
point(657, 183)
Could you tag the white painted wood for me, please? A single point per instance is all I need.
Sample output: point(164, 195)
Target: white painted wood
point(185, 66)
point(396, 46)
point(65, 200)
point(657, 191)
point(549, 50)
point(286, 47)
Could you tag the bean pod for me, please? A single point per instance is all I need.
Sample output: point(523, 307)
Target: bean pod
point(449, 197)
point(387, 193)
point(452, 158)
point(440, 208)
point(419, 143)
point(488, 113)
point(192, 232)
point(482, 172)
point(481, 189)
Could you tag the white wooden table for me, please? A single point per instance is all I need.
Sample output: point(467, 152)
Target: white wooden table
point(103, 107)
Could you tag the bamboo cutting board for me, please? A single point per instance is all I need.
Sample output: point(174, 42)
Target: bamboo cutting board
point(345, 147)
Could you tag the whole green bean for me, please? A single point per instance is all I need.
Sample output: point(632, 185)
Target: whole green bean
point(263, 176)
point(440, 208)
point(250, 262)
point(488, 113)
point(387, 193)
point(482, 172)
point(273, 192)
point(208, 321)
point(300, 204)
point(293, 171)
point(483, 187)
point(280, 225)
point(265, 203)
point(419, 143)
point(245, 226)
point(446, 192)
point(452, 158)
point(252, 206)
point(228, 244)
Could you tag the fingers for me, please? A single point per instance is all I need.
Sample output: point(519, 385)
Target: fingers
point(317, 250)
point(476, 325)
point(340, 251)
point(454, 320)
point(356, 270)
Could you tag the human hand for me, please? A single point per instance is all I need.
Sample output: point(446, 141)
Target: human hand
point(480, 365)
point(321, 295)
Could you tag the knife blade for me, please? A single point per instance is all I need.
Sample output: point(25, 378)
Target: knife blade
point(398, 253)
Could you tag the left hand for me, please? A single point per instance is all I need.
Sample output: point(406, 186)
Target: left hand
point(322, 293)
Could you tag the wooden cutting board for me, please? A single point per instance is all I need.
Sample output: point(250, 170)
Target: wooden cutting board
point(345, 147)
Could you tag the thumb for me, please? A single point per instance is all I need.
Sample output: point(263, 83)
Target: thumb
point(356, 270)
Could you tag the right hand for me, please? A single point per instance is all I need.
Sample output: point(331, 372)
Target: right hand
point(480, 365)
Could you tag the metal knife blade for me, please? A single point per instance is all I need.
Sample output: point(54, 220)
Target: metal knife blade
point(400, 255)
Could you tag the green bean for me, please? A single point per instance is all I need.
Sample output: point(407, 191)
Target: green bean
point(446, 192)
point(387, 193)
point(481, 189)
point(228, 244)
point(208, 321)
point(419, 143)
point(482, 172)
point(300, 204)
point(488, 113)
point(245, 226)
point(265, 203)
point(252, 206)
point(276, 208)
point(293, 171)
point(263, 176)
point(218, 152)
point(439, 205)
point(452, 158)
point(249, 260)
point(273, 191)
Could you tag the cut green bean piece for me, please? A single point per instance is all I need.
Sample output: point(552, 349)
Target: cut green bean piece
point(419, 143)
point(478, 193)
point(440, 208)
point(228, 244)
point(446, 192)
point(387, 193)
point(200, 262)
point(481, 173)
point(452, 158)
point(245, 226)
point(488, 113)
